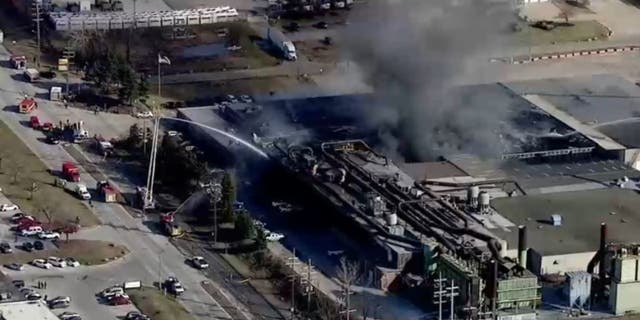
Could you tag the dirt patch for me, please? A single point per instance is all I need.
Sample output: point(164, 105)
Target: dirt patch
point(158, 306)
point(256, 86)
point(319, 51)
point(87, 252)
point(20, 169)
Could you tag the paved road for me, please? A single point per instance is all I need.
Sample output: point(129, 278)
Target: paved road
point(152, 254)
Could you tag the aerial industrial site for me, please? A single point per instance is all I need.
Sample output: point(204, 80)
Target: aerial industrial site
point(319, 159)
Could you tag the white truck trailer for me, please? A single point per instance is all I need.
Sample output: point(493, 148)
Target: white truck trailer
point(284, 45)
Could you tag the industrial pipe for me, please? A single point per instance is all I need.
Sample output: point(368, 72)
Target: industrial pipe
point(522, 246)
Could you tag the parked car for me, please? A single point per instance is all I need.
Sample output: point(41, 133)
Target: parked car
point(246, 98)
point(136, 315)
point(30, 231)
point(18, 283)
point(71, 262)
point(32, 295)
point(8, 207)
point(112, 291)
point(14, 266)
point(119, 299)
point(144, 114)
point(38, 245)
point(5, 247)
point(17, 216)
point(52, 139)
point(173, 285)
point(48, 235)
point(57, 262)
point(41, 263)
point(321, 25)
point(67, 315)
point(27, 246)
point(231, 98)
point(59, 302)
point(199, 262)
point(274, 236)
point(293, 26)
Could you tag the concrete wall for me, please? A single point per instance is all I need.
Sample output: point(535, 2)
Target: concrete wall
point(539, 264)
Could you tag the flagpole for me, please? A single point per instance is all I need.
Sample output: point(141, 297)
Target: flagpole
point(159, 79)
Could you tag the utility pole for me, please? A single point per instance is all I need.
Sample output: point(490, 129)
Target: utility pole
point(37, 18)
point(452, 294)
point(292, 262)
point(215, 193)
point(438, 293)
point(441, 291)
point(307, 282)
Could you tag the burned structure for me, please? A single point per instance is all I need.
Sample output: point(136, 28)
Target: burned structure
point(491, 225)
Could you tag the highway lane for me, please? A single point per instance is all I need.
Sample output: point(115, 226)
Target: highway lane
point(152, 253)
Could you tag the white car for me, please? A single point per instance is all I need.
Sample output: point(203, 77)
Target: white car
point(274, 236)
point(199, 262)
point(246, 98)
point(8, 207)
point(68, 315)
point(112, 291)
point(144, 114)
point(48, 235)
point(41, 263)
point(58, 262)
point(71, 262)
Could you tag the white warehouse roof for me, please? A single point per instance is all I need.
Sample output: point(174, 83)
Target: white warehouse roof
point(26, 310)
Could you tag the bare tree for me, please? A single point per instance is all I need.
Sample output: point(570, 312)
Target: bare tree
point(32, 189)
point(16, 172)
point(348, 274)
point(47, 213)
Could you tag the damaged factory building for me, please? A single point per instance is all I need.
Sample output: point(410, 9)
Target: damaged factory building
point(490, 233)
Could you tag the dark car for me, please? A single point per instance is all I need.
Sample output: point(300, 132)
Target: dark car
point(5, 247)
point(119, 300)
point(14, 266)
point(18, 283)
point(52, 139)
point(293, 27)
point(27, 246)
point(321, 25)
point(38, 245)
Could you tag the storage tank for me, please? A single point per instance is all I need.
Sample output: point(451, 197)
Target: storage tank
point(472, 196)
point(485, 202)
point(392, 219)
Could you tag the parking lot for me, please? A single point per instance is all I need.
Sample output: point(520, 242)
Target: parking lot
point(81, 284)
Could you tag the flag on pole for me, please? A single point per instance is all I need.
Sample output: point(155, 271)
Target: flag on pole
point(163, 59)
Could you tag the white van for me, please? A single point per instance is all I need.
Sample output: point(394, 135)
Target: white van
point(32, 230)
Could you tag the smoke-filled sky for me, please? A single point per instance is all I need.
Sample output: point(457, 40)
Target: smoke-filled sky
point(411, 52)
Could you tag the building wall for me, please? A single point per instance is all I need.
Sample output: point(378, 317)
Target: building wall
point(539, 264)
point(624, 297)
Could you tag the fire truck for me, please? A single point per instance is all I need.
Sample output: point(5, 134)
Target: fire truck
point(27, 105)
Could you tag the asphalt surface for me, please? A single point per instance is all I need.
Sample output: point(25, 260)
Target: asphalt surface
point(153, 257)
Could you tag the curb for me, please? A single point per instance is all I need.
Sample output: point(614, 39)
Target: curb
point(579, 53)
